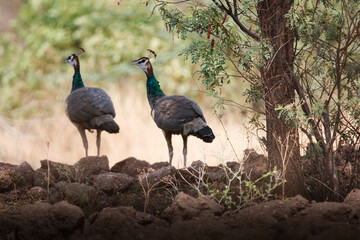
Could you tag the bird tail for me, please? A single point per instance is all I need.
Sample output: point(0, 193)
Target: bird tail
point(106, 123)
point(110, 127)
point(200, 129)
point(206, 134)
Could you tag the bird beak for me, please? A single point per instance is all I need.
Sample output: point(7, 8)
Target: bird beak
point(134, 62)
point(65, 60)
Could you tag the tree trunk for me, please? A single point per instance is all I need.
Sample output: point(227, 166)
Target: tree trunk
point(282, 139)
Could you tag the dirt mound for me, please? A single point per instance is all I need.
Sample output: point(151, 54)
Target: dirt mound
point(98, 203)
point(42, 221)
point(185, 218)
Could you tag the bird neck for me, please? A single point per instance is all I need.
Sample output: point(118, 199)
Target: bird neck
point(77, 80)
point(153, 90)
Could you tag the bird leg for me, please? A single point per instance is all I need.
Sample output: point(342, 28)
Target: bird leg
point(84, 139)
point(98, 141)
point(185, 148)
point(169, 144)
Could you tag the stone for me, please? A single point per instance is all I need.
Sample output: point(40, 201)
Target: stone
point(131, 166)
point(112, 181)
point(89, 166)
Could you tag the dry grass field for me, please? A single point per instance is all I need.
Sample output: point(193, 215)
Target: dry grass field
point(55, 138)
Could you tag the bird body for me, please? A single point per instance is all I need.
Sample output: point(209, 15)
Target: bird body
point(89, 108)
point(181, 115)
point(174, 114)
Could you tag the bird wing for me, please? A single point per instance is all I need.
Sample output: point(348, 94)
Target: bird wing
point(172, 112)
point(84, 104)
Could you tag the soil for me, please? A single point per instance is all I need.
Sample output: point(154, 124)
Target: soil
point(138, 200)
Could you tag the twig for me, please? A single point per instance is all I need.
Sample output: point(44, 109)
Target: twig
point(227, 136)
point(327, 187)
point(48, 171)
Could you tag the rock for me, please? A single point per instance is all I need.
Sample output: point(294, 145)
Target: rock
point(265, 220)
point(131, 166)
point(13, 196)
point(213, 174)
point(195, 218)
point(159, 165)
point(125, 223)
point(234, 166)
point(58, 172)
point(66, 217)
point(24, 175)
point(202, 228)
point(40, 178)
point(327, 220)
point(353, 199)
point(151, 178)
point(202, 170)
point(273, 211)
point(7, 177)
point(12, 176)
point(186, 207)
point(89, 166)
point(76, 193)
point(112, 181)
point(43, 221)
point(38, 193)
point(198, 165)
point(255, 165)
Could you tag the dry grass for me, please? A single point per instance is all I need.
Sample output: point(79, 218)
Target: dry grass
point(57, 139)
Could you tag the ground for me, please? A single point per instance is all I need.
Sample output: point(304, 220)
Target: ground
point(137, 200)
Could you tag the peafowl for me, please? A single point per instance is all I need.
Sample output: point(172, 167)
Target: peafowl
point(175, 114)
point(89, 108)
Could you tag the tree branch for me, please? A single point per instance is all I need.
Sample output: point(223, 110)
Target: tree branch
point(235, 17)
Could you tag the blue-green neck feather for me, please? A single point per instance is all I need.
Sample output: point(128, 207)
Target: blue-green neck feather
point(77, 80)
point(153, 90)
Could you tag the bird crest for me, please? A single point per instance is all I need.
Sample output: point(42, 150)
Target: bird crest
point(152, 54)
point(80, 51)
point(144, 63)
point(73, 59)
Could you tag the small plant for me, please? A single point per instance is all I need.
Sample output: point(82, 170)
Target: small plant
point(148, 187)
point(198, 176)
point(72, 174)
point(237, 190)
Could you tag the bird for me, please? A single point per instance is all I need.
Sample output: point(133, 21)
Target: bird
point(89, 108)
point(175, 114)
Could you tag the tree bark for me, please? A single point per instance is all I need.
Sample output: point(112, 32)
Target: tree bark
point(282, 139)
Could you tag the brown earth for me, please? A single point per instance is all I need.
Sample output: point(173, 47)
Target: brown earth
point(89, 200)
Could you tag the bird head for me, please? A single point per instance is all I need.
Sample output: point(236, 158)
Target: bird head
point(143, 63)
point(73, 59)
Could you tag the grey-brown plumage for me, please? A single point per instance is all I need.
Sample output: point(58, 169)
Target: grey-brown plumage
point(181, 115)
point(175, 114)
point(89, 108)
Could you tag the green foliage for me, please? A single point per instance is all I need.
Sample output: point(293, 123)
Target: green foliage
point(240, 191)
point(236, 189)
point(327, 61)
point(326, 58)
point(45, 32)
point(222, 49)
point(212, 67)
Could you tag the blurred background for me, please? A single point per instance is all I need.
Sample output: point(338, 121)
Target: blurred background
point(35, 37)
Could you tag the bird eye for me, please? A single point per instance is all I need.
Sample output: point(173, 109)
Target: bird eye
point(142, 61)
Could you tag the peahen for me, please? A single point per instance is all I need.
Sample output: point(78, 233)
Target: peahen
point(89, 108)
point(175, 114)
